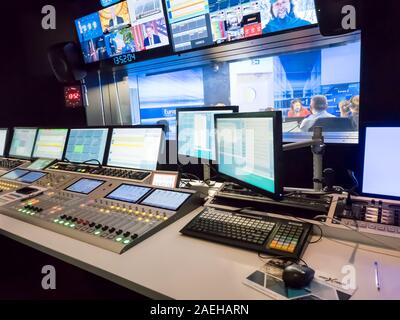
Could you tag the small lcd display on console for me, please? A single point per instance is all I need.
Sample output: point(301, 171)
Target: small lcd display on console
point(128, 193)
point(85, 186)
point(170, 200)
point(32, 177)
point(15, 174)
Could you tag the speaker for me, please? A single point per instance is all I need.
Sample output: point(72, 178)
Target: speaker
point(66, 61)
point(336, 17)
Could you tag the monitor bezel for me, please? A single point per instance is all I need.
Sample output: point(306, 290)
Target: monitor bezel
point(103, 160)
point(363, 142)
point(194, 160)
point(276, 117)
point(33, 147)
point(6, 143)
point(132, 185)
point(51, 128)
point(84, 178)
point(160, 152)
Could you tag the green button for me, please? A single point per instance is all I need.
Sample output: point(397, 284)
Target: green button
point(20, 210)
point(66, 224)
point(127, 241)
point(97, 233)
point(56, 220)
point(32, 213)
point(72, 225)
point(61, 222)
point(118, 239)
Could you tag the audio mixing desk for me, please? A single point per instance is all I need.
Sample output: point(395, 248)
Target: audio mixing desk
point(114, 214)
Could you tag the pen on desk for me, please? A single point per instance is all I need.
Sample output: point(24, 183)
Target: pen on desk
point(377, 280)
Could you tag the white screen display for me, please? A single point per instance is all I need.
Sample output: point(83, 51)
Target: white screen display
point(136, 148)
point(381, 162)
point(3, 137)
point(50, 143)
point(128, 193)
point(22, 142)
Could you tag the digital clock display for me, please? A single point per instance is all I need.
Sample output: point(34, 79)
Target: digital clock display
point(125, 58)
point(73, 96)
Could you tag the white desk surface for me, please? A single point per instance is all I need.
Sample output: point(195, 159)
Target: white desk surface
point(170, 265)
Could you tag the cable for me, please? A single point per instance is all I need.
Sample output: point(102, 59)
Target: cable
point(93, 160)
point(260, 255)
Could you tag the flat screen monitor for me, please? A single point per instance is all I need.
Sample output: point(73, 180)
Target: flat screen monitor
point(22, 142)
point(3, 141)
point(50, 143)
point(85, 186)
point(196, 131)
point(165, 199)
point(128, 193)
point(126, 28)
point(201, 23)
point(86, 145)
point(249, 150)
point(381, 173)
point(135, 148)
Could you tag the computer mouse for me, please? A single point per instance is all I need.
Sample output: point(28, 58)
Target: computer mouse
point(297, 276)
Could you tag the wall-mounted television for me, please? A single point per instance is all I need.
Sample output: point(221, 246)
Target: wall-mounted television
point(202, 23)
point(125, 32)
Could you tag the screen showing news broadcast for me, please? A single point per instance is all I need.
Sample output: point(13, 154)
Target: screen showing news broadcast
point(127, 27)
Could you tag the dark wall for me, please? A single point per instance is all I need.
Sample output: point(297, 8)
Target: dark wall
point(30, 93)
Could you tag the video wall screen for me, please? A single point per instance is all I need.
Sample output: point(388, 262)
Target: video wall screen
point(128, 27)
point(201, 23)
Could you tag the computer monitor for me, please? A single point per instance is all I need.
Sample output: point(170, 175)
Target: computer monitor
point(381, 172)
point(136, 148)
point(249, 150)
point(86, 145)
point(22, 142)
point(196, 131)
point(3, 141)
point(50, 143)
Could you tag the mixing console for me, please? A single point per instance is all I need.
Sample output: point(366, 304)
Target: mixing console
point(108, 213)
point(130, 174)
point(7, 164)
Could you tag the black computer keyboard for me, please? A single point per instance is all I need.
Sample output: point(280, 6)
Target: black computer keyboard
point(272, 236)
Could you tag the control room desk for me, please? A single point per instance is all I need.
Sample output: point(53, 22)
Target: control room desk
point(170, 265)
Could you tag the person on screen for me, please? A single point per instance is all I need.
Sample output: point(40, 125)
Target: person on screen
point(283, 17)
point(115, 19)
point(355, 110)
point(319, 105)
point(344, 107)
point(297, 110)
point(151, 38)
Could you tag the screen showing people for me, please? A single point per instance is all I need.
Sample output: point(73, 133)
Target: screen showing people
point(201, 23)
point(319, 113)
point(127, 27)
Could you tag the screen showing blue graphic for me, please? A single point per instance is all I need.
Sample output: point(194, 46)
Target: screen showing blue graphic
point(246, 150)
point(196, 135)
point(22, 142)
point(89, 27)
point(164, 199)
point(31, 177)
point(381, 161)
point(15, 174)
point(85, 186)
point(128, 193)
point(86, 145)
